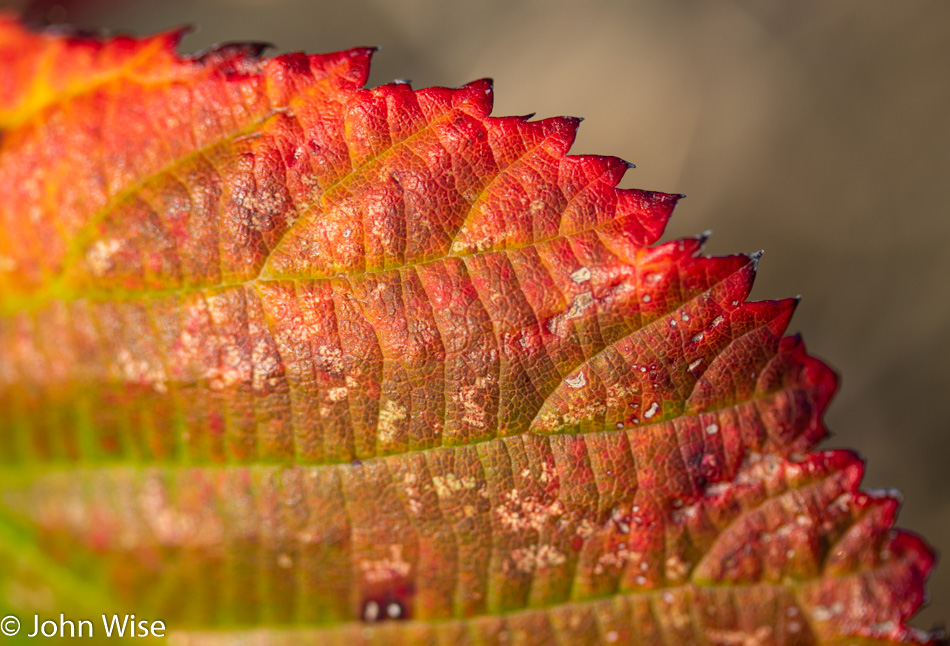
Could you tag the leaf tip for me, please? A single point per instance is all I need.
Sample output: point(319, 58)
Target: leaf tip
point(486, 83)
point(754, 258)
point(481, 93)
point(571, 123)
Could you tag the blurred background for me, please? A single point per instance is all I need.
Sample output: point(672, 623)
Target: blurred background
point(818, 131)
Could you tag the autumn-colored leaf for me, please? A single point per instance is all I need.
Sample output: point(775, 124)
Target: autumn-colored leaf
point(293, 361)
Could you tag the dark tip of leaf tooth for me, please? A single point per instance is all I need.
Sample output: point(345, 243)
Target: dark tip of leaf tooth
point(176, 35)
point(402, 81)
point(256, 48)
point(792, 303)
point(367, 51)
point(252, 50)
point(487, 83)
point(671, 198)
point(363, 58)
point(483, 89)
point(573, 122)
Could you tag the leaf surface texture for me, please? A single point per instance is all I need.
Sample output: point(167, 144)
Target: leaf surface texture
point(292, 361)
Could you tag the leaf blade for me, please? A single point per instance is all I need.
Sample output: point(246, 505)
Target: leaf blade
point(375, 349)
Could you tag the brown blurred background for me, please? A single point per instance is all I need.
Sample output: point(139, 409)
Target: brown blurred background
point(818, 130)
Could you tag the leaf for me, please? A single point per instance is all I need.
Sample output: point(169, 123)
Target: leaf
point(289, 360)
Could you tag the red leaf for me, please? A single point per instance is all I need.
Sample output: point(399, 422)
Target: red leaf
point(280, 353)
